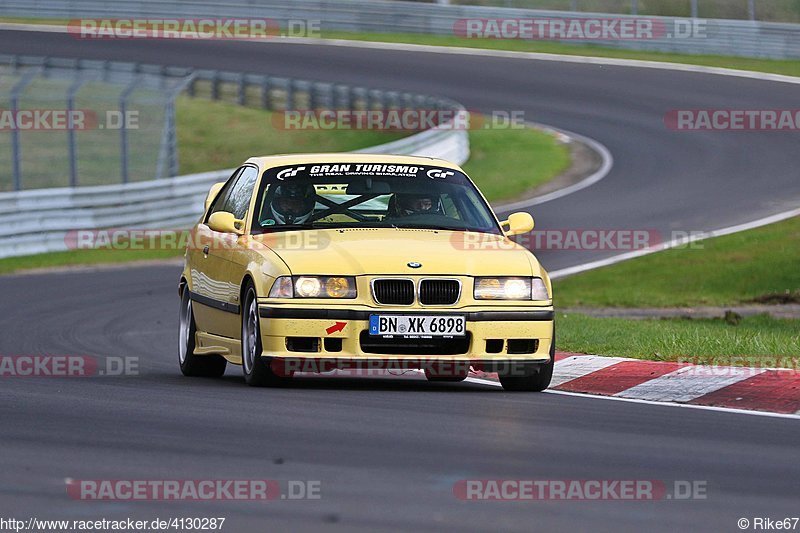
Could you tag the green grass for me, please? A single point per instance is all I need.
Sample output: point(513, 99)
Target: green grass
point(725, 271)
point(756, 265)
point(506, 163)
point(787, 67)
point(215, 135)
point(754, 341)
point(9, 265)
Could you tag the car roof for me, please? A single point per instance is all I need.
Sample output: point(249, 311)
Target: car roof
point(270, 161)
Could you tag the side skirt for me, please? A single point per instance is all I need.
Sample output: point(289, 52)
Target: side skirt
point(208, 344)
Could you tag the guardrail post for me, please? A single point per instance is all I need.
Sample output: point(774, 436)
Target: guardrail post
point(407, 101)
point(751, 9)
point(634, 7)
point(356, 100)
point(215, 86)
point(289, 97)
point(341, 97)
point(312, 96)
point(16, 149)
point(392, 100)
point(265, 100)
point(694, 9)
point(375, 99)
point(242, 96)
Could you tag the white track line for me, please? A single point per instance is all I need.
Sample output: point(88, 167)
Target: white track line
point(602, 172)
point(796, 416)
point(540, 56)
point(675, 242)
point(460, 50)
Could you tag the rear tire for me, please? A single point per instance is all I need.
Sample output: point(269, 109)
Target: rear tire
point(536, 382)
point(209, 366)
point(257, 369)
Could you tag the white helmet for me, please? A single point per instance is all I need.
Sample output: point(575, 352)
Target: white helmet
point(293, 203)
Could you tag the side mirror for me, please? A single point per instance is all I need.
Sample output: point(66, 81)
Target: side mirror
point(213, 192)
point(517, 224)
point(224, 222)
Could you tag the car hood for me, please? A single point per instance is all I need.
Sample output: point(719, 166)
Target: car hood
point(389, 250)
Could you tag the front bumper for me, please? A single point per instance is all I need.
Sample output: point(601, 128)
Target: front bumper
point(494, 336)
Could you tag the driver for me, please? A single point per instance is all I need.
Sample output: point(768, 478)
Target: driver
point(417, 204)
point(293, 203)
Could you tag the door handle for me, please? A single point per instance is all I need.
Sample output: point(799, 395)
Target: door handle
point(205, 250)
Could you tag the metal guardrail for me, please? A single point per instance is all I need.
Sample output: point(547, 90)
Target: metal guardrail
point(767, 10)
point(42, 220)
point(724, 37)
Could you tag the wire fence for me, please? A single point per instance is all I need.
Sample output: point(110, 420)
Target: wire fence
point(77, 122)
point(46, 219)
point(69, 123)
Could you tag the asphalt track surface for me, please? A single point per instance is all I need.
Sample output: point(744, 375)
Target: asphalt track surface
point(388, 451)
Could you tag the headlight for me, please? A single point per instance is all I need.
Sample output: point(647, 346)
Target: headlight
point(510, 289)
point(314, 287)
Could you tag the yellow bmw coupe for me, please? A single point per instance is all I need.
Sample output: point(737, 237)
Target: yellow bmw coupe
point(309, 263)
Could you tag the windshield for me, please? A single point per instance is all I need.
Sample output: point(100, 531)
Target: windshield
point(346, 195)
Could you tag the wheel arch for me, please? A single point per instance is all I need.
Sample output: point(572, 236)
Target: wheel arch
point(247, 280)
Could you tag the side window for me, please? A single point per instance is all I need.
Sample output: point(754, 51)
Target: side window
point(219, 202)
point(238, 200)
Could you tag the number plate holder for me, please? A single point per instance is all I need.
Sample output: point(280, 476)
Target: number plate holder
point(417, 326)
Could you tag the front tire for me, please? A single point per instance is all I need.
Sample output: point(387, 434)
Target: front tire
point(210, 366)
point(257, 370)
point(535, 382)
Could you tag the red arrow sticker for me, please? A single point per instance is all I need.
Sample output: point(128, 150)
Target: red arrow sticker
point(338, 326)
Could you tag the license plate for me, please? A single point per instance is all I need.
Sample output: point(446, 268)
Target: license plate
point(417, 326)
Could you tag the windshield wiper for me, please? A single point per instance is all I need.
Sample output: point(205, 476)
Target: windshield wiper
point(432, 227)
